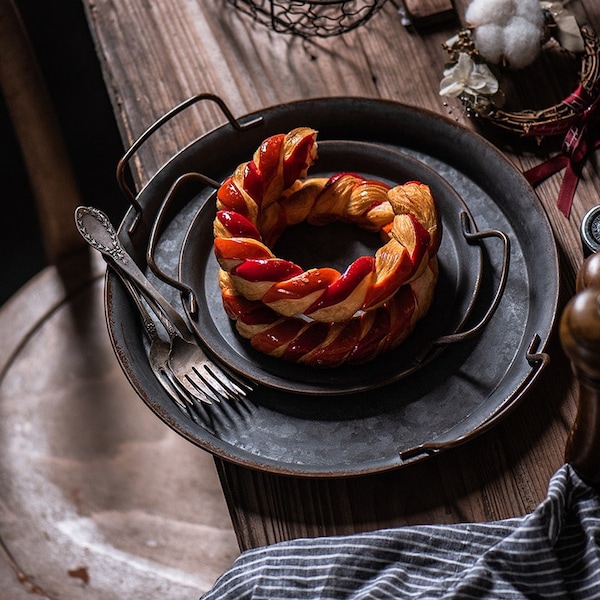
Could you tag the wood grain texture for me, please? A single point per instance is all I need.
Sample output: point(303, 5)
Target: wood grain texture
point(155, 55)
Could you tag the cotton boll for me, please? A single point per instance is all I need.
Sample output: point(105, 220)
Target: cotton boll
point(480, 12)
point(530, 10)
point(490, 42)
point(501, 11)
point(521, 43)
point(507, 30)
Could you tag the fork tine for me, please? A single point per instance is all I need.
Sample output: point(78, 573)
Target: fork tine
point(207, 378)
point(230, 379)
point(210, 377)
point(233, 387)
point(177, 394)
point(195, 401)
point(198, 389)
point(194, 405)
point(194, 394)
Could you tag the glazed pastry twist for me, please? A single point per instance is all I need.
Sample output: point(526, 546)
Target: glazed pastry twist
point(277, 165)
point(248, 224)
point(328, 345)
point(313, 310)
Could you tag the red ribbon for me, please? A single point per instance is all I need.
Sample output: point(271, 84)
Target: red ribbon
point(582, 137)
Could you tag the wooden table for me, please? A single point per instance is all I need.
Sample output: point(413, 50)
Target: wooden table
point(155, 55)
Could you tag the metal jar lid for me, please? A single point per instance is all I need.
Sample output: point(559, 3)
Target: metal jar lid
point(590, 230)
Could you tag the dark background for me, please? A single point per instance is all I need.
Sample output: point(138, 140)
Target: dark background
point(65, 51)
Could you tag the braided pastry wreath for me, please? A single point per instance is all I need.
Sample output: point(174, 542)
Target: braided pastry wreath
point(321, 317)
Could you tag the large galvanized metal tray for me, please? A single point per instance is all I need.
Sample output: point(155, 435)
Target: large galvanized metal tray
point(450, 399)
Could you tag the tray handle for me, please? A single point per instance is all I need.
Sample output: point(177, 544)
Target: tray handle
point(188, 294)
point(476, 236)
point(472, 234)
point(121, 172)
point(537, 360)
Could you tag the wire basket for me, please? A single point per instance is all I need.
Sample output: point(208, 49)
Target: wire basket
point(310, 18)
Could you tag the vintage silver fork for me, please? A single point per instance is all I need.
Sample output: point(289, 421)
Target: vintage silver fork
point(191, 368)
point(158, 355)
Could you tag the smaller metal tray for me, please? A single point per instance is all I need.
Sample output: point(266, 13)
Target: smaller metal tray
point(456, 291)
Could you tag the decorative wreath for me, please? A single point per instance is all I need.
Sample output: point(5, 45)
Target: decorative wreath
point(511, 33)
point(320, 316)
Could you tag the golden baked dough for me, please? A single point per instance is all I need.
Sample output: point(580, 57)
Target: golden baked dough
point(317, 344)
point(305, 314)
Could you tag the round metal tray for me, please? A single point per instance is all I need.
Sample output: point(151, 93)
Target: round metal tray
point(459, 263)
point(450, 400)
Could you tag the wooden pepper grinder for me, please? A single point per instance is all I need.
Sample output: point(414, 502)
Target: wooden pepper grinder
point(580, 337)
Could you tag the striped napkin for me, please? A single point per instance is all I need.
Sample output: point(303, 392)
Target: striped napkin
point(554, 552)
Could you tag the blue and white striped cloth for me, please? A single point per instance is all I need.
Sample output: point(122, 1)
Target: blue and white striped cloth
point(552, 553)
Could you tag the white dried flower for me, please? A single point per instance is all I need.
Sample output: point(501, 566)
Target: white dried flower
point(507, 31)
point(468, 77)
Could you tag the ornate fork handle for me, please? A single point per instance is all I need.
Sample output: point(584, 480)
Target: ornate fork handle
point(97, 230)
